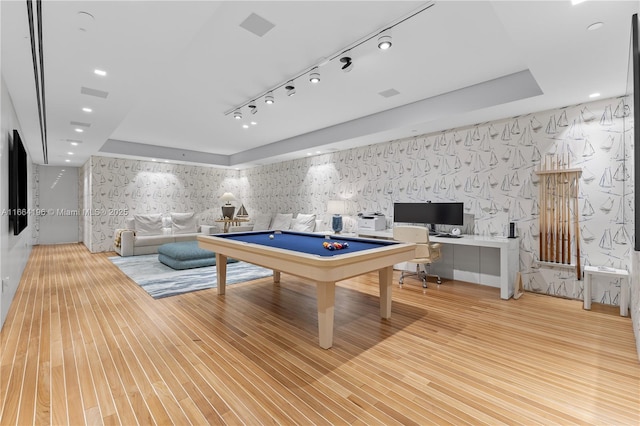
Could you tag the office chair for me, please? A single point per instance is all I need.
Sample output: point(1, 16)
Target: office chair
point(426, 252)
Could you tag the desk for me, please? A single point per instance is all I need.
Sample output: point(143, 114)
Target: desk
point(228, 222)
point(303, 255)
point(467, 267)
point(590, 271)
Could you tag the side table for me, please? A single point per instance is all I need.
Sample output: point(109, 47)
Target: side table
point(590, 271)
point(228, 222)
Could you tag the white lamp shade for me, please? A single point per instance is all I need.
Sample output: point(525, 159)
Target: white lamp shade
point(227, 196)
point(337, 207)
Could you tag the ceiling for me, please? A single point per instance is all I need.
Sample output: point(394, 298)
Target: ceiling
point(177, 69)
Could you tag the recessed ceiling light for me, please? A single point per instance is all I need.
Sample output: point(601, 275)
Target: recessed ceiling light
point(67, 160)
point(253, 123)
point(575, 2)
point(309, 153)
point(153, 159)
point(595, 26)
point(245, 126)
point(594, 95)
point(70, 153)
point(85, 109)
point(79, 130)
point(74, 143)
point(101, 73)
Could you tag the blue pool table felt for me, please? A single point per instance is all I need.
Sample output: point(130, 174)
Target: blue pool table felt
point(305, 243)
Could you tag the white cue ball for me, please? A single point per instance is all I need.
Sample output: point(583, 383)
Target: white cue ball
point(271, 237)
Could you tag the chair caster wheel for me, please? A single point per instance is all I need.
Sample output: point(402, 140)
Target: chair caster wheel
point(439, 282)
point(424, 285)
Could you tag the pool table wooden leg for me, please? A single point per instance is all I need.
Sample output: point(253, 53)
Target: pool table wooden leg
point(326, 302)
point(385, 279)
point(221, 270)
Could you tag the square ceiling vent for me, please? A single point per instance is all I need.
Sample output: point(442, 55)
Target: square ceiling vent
point(257, 25)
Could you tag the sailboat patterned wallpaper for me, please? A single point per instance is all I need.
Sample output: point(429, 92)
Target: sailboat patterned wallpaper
point(120, 185)
point(490, 167)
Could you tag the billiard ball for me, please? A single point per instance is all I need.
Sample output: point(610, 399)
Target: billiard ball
point(271, 237)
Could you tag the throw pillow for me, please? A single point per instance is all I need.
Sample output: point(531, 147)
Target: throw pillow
point(282, 221)
point(148, 224)
point(130, 223)
point(184, 223)
point(262, 222)
point(304, 223)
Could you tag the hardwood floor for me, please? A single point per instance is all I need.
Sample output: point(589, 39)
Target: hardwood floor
point(84, 344)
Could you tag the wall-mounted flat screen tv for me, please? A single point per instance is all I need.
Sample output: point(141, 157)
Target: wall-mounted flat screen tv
point(17, 185)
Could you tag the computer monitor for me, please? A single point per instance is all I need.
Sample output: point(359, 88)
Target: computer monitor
point(429, 213)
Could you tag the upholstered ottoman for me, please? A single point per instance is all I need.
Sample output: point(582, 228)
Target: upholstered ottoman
point(186, 255)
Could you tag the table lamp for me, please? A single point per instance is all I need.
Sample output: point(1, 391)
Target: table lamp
point(336, 208)
point(227, 208)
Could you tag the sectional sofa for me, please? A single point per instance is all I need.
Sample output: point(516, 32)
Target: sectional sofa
point(144, 233)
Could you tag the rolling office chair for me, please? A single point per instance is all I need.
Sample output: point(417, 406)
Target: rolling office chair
point(426, 252)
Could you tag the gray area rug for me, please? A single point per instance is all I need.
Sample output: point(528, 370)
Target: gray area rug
point(159, 280)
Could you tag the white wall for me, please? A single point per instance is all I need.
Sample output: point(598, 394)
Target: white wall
point(14, 250)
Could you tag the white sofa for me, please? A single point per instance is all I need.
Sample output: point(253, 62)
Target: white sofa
point(281, 222)
point(144, 233)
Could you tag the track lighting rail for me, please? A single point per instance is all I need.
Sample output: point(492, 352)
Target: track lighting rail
point(290, 82)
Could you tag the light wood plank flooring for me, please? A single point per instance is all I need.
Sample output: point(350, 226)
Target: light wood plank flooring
point(83, 344)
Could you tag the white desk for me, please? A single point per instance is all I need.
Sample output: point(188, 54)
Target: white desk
point(590, 271)
point(473, 258)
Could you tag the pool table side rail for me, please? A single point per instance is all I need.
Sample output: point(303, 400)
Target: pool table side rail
point(317, 268)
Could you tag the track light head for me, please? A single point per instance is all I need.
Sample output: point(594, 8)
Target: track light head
point(384, 41)
point(290, 88)
point(268, 99)
point(347, 64)
point(252, 107)
point(237, 114)
point(314, 77)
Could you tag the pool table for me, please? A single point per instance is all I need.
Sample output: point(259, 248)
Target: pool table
point(303, 255)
